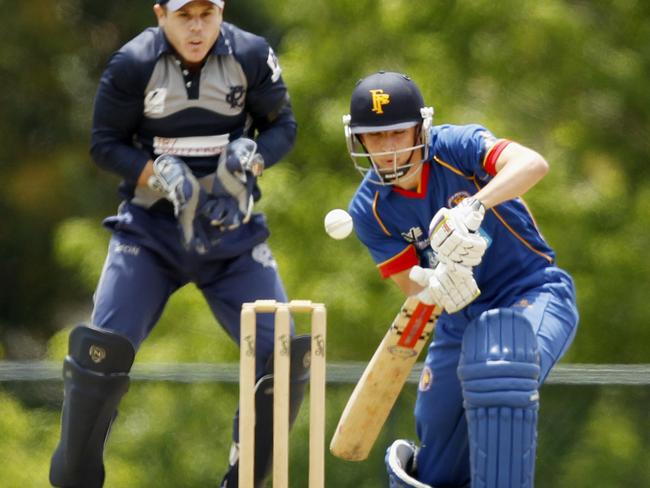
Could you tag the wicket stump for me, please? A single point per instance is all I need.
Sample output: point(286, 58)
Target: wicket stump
point(281, 381)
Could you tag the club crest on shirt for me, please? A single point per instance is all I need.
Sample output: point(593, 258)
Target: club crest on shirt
point(456, 198)
point(154, 101)
point(236, 96)
point(425, 379)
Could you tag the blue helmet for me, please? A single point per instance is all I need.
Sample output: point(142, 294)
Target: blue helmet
point(386, 101)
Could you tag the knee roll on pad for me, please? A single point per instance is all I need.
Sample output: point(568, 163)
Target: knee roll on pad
point(95, 379)
point(499, 372)
point(100, 350)
point(299, 376)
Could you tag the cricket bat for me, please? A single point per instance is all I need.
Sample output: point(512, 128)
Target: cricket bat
point(383, 379)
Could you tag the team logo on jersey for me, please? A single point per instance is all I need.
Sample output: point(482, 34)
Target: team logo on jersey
point(413, 234)
point(236, 96)
point(379, 99)
point(417, 237)
point(274, 64)
point(456, 198)
point(425, 379)
point(154, 101)
point(262, 254)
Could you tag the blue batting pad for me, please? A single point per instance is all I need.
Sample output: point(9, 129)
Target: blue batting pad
point(499, 372)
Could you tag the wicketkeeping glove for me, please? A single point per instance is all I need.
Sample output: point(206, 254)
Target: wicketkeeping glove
point(449, 285)
point(237, 170)
point(454, 236)
point(175, 180)
point(222, 212)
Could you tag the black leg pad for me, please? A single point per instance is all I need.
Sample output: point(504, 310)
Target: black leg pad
point(95, 378)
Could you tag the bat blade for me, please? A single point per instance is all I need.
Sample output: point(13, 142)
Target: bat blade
point(382, 381)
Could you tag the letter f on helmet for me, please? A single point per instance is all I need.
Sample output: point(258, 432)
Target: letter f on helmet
point(379, 98)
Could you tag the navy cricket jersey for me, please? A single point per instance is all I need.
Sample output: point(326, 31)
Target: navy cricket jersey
point(148, 104)
point(393, 223)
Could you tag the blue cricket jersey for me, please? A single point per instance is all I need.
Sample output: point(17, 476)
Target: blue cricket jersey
point(393, 223)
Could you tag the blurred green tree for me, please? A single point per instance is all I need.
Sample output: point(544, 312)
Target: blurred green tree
point(566, 77)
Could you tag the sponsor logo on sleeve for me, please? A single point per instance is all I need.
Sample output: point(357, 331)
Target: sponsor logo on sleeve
point(262, 254)
point(274, 65)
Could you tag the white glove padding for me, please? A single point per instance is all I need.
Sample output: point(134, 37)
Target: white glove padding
point(449, 285)
point(453, 233)
point(175, 180)
point(239, 165)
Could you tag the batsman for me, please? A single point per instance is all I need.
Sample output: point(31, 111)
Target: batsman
point(188, 114)
point(441, 213)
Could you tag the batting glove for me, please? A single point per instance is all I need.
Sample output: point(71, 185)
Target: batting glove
point(453, 233)
point(449, 285)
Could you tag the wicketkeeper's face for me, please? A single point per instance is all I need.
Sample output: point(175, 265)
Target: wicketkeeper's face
point(192, 30)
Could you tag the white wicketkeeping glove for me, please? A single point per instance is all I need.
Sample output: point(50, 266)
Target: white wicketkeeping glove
point(449, 285)
point(453, 233)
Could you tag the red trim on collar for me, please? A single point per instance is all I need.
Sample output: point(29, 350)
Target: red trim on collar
point(421, 190)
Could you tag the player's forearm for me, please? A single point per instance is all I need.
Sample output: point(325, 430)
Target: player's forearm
point(117, 114)
point(147, 172)
point(123, 160)
point(518, 170)
point(276, 138)
point(408, 287)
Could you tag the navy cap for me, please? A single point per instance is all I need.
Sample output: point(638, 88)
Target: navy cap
point(174, 5)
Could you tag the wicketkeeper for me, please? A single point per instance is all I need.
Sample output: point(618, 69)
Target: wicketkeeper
point(189, 114)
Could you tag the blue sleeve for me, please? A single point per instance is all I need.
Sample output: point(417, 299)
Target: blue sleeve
point(465, 147)
point(391, 254)
point(276, 137)
point(267, 97)
point(117, 112)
